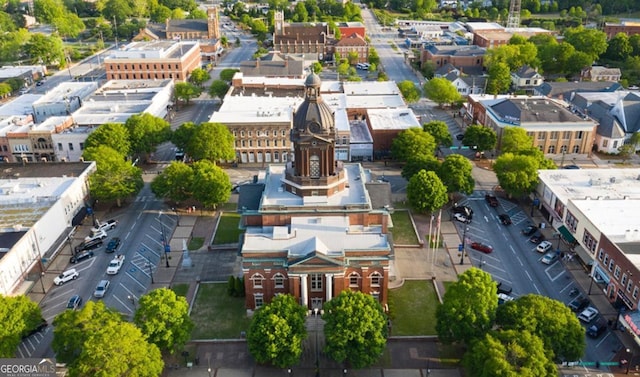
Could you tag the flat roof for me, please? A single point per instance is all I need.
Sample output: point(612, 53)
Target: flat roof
point(367, 88)
point(360, 132)
point(392, 119)
point(28, 191)
point(254, 109)
point(375, 102)
point(23, 105)
point(50, 123)
point(592, 184)
point(355, 194)
point(67, 90)
point(160, 49)
point(328, 235)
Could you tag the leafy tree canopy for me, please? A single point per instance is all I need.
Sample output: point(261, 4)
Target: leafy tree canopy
point(412, 143)
point(409, 90)
point(590, 41)
point(355, 329)
point(18, 315)
point(227, 74)
point(174, 183)
point(218, 88)
point(146, 132)
point(426, 192)
point(515, 139)
point(185, 91)
point(441, 91)
point(113, 135)
point(420, 162)
point(468, 308)
point(213, 142)
point(440, 132)
point(211, 185)
point(517, 174)
point(455, 174)
point(484, 138)
point(114, 178)
point(277, 332)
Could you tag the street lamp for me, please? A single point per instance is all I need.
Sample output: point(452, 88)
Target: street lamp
point(315, 312)
point(344, 372)
point(209, 371)
point(177, 216)
point(464, 241)
point(590, 284)
point(42, 281)
point(629, 356)
point(133, 301)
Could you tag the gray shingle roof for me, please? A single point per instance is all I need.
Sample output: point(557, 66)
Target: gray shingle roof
point(529, 111)
point(526, 72)
point(198, 25)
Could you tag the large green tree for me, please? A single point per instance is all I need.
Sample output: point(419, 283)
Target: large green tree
point(114, 178)
point(199, 76)
point(355, 329)
point(18, 315)
point(113, 135)
point(551, 320)
point(426, 192)
point(218, 88)
point(185, 91)
point(412, 143)
point(592, 42)
point(96, 341)
point(45, 50)
point(420, 162)
point(174, 183)
point(517, 174)
point(277, 331)
point(227, 74)
point(468, 308)
point(146, 132)
point(484, 138)
point(440, 132)
point(163, 318)
point(183, 135)
point(508, 353)
point(515, 139)
point(619, 47)
point(213, 142)
point(499, 80)
point(211, 185)
point(409, 90)
point(455, 173)
point(441, 91)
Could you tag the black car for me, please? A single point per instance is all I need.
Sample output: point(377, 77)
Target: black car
point(460, 136)
point(595, 330)
point(89, 245)
point(74, 302)
point(505, 219)
point(529, 230)
point(464, 210)
point(41, 326)
point(112, 245)
point(578, 304)
point(504, 288)
point(537, 238)
point(79, 257)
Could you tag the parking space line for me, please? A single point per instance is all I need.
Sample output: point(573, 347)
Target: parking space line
point(536, 287)
point(147, 248)
point(603, 339)
point(123, 304)
point(520, 261)
point(566, 287)
point(136, 280)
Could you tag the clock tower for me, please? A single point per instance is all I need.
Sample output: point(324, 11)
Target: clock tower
point(314, 171)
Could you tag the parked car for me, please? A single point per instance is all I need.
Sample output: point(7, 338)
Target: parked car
point(101, 289)
point(40, 83)
point(536, 238)
point(79, 257)
point(595, 330)
point(74, 302)
point(459, 136)
point(464, 210)
point(578, 303)
point(65, 276)
point(462, 218)
point(588, 315)
point(41, 326)
point(99, 235)
point(502, 298)
point(89, 245)
point(113, 245)
point(571, 167)
point(504, 288)
point(529, 230)
point(549, 257)
point(491, 200)
point(505, 219)
point(544, 247)
point(106, 226)
point(483, 247)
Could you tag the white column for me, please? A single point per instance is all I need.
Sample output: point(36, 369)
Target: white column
point(329, 279)
point(303, 290)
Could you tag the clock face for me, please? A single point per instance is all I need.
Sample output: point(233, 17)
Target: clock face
point(314, 127)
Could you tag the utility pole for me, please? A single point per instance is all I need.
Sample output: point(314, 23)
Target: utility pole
point(115, 34)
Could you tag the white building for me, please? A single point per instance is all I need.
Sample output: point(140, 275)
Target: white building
point(38, 203)
point(64, 99)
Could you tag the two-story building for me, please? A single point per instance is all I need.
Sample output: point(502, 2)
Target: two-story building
point(458, 56)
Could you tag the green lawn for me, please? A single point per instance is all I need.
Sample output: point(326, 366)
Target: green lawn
point(195, 243)
point(228, 207)
point(228, 231)
point(217, 315)
point(402, 230)
point(180, 289)
point(414, 308)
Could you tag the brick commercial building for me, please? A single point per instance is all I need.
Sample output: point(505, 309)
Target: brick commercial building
point(153, 60)
point(314, 226)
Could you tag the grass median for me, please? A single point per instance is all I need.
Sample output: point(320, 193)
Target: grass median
point(217, 315)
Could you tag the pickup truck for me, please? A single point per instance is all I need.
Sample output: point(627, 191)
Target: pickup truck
point(115, 265)
point(491, 200)
point(107, 225)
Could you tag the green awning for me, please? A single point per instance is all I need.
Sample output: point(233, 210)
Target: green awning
point(566, 234)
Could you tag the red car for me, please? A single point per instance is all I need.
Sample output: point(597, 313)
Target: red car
point(482, 247)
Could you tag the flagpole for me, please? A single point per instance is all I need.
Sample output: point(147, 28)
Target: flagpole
point(429, 238)
point(438, 223)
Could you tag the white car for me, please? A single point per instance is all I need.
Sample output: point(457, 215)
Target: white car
point(99, 235)
point(549, 257)
point(101, 289)
point(544, 246)
point(107, 225)
point(462, 218)
point(70, 274)
point(588, 314)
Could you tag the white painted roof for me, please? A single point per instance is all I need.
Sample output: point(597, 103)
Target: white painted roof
point(22, 105)
point(252, 109)
point(366, 88)
point(67, 90)
point(331, 236)
point(392, 119)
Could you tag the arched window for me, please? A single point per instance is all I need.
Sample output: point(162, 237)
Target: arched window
point(576, 149)
point(552, 149)
point(314, 166)
point(354, 279)
point(278, 280)
point(257, 280)
point(376, 279)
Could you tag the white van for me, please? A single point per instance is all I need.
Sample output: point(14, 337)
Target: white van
point(363, 66)
point(67, 275)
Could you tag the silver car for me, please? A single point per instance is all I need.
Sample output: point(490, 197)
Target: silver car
point(101, 289)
